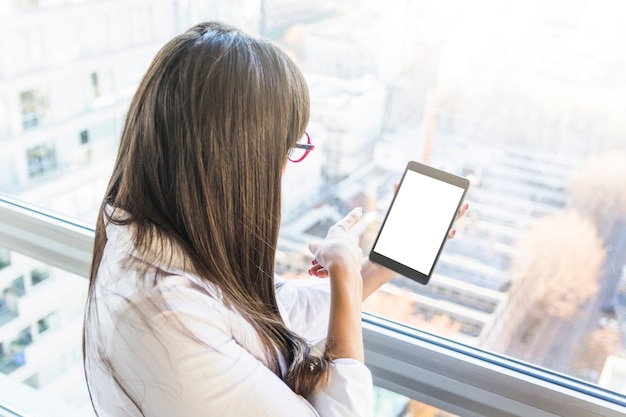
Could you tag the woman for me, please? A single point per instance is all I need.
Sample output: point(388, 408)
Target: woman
point(184, 315)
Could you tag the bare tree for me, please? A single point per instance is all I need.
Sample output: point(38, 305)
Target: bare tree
point(560, 260)
point(598, 190)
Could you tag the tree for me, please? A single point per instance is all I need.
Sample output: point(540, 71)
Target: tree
point(560, 259)
point(592, 354)
point(598, 190)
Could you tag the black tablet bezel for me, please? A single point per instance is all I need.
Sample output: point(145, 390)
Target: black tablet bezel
point(437, 174)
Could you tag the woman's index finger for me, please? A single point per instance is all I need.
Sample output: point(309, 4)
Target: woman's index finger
point(350, 219)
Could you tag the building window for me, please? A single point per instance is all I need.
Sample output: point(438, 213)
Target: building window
point(16, 357)
point(39, 274)
point(98, 86)
point(41, 159)
point(18, 286)
point(5, 258)
point(84, 137)
point(24, 338)
point(5, 358)
point(8, 306)
point(34, 104)
point(47, 322)
point(95, 85)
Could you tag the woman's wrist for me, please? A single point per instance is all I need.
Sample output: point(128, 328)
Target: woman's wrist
point(342, 272)
point(374, 276)
point(345, 338)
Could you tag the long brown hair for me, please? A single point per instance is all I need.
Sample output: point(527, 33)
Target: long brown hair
point(200, 161)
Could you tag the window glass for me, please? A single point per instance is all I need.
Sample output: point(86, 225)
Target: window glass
point(34, 107)
point(39, 274)
point(41, 310)
point(99, 87)
point(41, 159)
point(5, 258)
point(514, 100)
point(525, 98)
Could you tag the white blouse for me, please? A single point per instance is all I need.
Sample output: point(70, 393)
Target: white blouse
point(177, 351)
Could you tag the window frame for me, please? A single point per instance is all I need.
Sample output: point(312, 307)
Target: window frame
point(472, 382)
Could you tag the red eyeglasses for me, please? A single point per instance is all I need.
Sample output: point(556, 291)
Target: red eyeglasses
point(301, 149)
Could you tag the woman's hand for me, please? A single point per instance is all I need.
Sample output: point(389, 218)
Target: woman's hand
point(338, 257)
point(460, 214)
point(375, 276)
point(340, 248)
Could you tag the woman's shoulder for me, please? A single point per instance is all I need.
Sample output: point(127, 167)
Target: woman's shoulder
point(183, 307)
point(180, 294)
point(186, 290)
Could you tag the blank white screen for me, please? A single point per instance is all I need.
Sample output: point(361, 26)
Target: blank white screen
point(418, 221)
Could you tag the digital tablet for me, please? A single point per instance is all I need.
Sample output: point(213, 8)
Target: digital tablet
point(418, 221)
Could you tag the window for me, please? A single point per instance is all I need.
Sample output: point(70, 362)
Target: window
point(95, 85)
point(5, 258)
point(41, 159)
point(16, 357)
point(8, 305)
point(10, 298)
point(34, 105)
point(21, 342)
point(39, 274)
point(5, 358)
point(450, 99)
point(17, 286)
point(99, 87)
point(47, 322)
point(524, 98)
point(84, 137)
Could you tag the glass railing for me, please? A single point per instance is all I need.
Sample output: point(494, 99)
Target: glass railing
point(425, 369)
